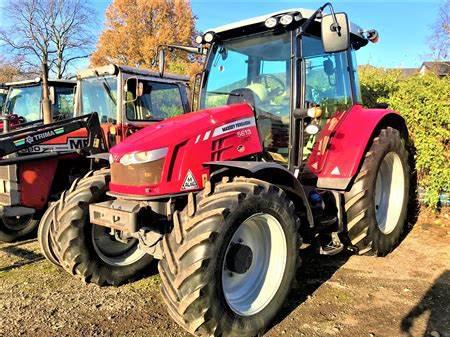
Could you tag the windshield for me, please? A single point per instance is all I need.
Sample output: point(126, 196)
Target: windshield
point(99, 94)
point(256, 70)
point(25, 102)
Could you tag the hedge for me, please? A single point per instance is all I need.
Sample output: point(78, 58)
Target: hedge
point(424, 102)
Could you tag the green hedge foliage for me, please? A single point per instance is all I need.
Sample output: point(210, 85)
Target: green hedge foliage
point(424, 102)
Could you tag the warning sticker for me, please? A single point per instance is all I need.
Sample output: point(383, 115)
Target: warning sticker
point(189, 182)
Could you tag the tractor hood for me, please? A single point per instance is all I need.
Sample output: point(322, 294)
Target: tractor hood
point(183, 145)
point(178, 129)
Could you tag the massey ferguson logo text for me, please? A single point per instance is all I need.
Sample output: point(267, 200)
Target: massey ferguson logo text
point(240, 124)
point(235, 125)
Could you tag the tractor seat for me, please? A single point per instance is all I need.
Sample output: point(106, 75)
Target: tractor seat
point(242, 95)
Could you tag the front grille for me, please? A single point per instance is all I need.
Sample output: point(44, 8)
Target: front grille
point(137, 174)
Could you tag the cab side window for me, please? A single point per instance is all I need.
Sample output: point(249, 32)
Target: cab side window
point(327, 83)
point(327, 78)
point(64, 101)
point(158, 101)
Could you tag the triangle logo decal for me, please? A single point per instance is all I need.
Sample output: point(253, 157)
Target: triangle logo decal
point(189, 182)
point(336, 171)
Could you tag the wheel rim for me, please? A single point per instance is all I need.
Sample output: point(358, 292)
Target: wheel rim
point(389, 192)
point(249, 292)
point(113, 252)
point(16, 223)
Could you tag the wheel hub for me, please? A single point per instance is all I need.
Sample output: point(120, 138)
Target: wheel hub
point(254, 264)
point(239, 258)
point(389, 192)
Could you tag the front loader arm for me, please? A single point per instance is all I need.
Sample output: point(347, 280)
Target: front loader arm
point(18, 140)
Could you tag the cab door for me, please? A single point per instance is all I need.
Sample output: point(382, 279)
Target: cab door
point(328, 86)
point(149, 102)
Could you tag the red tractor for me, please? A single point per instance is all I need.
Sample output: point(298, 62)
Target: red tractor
point(40, 161)
point(22, 102)
point(126, 100)
point(281, 153)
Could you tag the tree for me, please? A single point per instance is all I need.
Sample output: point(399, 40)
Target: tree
point(440, 41)
point(46, 33)
point(70, 33)
point(135, 29)
point(9, 71)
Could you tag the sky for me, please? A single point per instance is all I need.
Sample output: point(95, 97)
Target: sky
point(404, 26)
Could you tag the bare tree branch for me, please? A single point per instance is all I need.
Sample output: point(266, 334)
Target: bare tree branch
point(55, 32)
point(49, 35)
point(440, 40)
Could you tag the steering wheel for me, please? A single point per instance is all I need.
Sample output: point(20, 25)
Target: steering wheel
point(274, 91)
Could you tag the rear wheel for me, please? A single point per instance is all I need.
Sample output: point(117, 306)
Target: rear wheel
point(90, 251)
point(376, 206)
point(17, 228)
point(229, 262)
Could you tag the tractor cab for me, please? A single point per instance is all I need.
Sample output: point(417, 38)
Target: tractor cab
point(24, 100)
point(265, 62)
point(127, 99)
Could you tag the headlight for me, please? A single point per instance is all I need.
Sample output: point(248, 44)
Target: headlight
point(143, 157)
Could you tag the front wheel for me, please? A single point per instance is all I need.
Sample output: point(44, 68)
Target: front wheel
point(46, 235)
point(377, 204)
point(92, 252)
point(17, 228)
point(228, 265)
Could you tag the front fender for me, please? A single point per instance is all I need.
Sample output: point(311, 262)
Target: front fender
point(271, 172)
point(339, 151)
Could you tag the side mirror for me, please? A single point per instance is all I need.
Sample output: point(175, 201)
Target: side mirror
point(161, 61)
point(335, 34)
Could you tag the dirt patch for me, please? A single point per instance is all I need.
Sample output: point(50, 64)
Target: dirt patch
point(404, 294)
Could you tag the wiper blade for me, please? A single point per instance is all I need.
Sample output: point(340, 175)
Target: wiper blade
point(108, 91)
point(107, 88)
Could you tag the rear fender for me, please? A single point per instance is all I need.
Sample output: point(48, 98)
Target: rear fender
point(36, 179)
point(339, 152)
point(267, 171)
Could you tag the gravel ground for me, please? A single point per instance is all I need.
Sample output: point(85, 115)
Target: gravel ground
point(404, 294)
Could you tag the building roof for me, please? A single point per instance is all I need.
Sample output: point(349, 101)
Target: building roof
point(304, 14)
point(440, 68)
point(408, 72)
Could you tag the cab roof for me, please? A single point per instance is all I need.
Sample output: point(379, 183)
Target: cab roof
point(258, 20)
point(38, 80)
point(114, 69)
